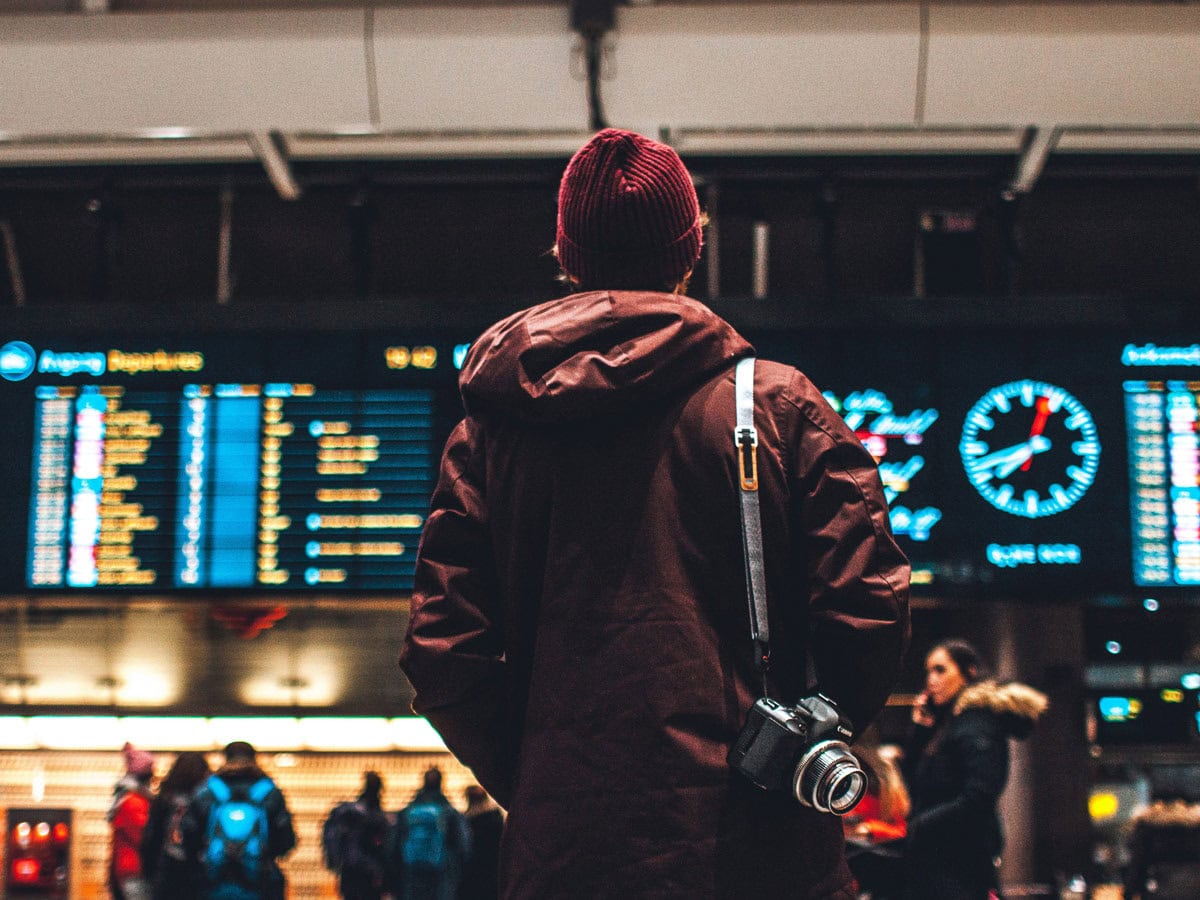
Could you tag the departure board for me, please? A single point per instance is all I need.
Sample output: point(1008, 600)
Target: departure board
point(228, 486)
point(150, 478)
point(1013, 463)
point(1164, 461)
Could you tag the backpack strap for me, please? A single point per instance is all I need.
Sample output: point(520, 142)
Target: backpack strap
point(260, 789)
point(220, 790)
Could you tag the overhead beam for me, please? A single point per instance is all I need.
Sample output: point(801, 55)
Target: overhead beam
point(1040, 141)
point(267, 146)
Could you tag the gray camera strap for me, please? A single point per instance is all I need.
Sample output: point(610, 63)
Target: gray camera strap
point(745, 439)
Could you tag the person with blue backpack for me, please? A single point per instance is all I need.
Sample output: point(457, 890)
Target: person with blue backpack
point(428, 845)
point(236, 828)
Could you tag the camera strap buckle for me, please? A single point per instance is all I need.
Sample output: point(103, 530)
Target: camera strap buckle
point(746, 440)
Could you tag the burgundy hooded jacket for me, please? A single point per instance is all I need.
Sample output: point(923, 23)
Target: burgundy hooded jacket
point(580, 631)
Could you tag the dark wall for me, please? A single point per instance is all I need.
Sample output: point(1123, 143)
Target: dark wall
point(477, 233)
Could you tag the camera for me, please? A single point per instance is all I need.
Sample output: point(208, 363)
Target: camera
point(801, 748)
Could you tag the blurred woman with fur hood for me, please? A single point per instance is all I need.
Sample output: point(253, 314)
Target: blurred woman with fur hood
point(956, 765)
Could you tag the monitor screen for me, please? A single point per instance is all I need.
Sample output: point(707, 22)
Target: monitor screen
point(1168, 716)
point(276, 464)
point(1002, 453)
point(1162, 411)
point(1016, 462)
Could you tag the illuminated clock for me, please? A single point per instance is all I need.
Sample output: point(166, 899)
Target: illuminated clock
point(1030, 448)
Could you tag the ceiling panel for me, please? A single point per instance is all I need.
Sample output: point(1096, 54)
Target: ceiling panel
point(1071, 65)
point(216, 73)
point(466, 70)
point(774, 66)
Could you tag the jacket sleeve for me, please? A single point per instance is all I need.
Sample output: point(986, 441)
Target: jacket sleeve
point(453, 652)
point(281, 834)
point(914, 749)
point(982, 757)
point(858, 579)
point(462, 836)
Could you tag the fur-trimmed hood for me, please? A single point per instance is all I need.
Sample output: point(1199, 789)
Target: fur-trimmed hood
point(1017, 705)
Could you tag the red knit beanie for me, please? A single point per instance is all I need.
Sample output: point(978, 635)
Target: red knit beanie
point(138, 763)
point(628, 215)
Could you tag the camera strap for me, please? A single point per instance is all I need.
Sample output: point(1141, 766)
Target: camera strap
point(745, 440)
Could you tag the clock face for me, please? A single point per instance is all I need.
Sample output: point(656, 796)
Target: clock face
point(1030, 448)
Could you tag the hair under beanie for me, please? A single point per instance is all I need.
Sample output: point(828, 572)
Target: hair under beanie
point(628, 215)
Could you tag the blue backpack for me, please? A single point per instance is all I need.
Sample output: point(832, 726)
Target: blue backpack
point(424, 848)
point(235, 847)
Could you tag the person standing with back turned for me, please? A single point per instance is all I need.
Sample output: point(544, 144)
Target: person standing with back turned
point(236, 827)
point(127, 817)
point(579, 631)
point(429, 844)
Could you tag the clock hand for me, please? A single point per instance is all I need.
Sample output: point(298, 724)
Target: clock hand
point(1039, 422)
point(1020, 452)
point(1036, 444)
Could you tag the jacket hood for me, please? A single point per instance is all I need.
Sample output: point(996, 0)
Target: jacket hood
point(126, 784)
point(592, 354)
point(1017, 705)
point(241, 769)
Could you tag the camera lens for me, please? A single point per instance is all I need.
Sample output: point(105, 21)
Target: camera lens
point(846, 788)
point(829, 778)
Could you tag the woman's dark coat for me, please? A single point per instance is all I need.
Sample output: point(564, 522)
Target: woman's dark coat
point(579, 630)
point(170, 875)
point(956, 772)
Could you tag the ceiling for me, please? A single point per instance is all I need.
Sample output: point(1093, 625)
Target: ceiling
point(282, 82)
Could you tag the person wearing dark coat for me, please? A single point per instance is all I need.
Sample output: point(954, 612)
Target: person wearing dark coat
point(240, 773)
point(956, 764)
point(164, 861)
point(579, 630)
point(486, 822)
point(363, 827)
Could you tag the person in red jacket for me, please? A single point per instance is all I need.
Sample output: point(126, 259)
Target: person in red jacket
point(127, 817)
point(579, 630)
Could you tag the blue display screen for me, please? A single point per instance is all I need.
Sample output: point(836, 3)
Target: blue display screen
point(1161, 717)
point(1003, 453)
point(1020, 463)
point(194, 467)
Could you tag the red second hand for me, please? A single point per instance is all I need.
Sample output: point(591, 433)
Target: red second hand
point(1039, 422)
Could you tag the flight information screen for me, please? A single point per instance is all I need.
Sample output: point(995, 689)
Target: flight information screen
point(228, 486)
point(145, 474)
point(1001, 453)
point(1014, 462)
point(1162, 414)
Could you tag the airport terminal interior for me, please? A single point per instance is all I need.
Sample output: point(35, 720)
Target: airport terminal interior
point(247, 245)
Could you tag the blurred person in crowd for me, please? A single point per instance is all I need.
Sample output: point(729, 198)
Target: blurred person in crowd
point(876, 827)
point(352, 840)
point(171, 875)
point(956, 765)
point(236, 828)
point(580, 633)
point(127, 817)
point(428, 845)
point(882, 813)
point(1164, 852)
point(486, 821)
